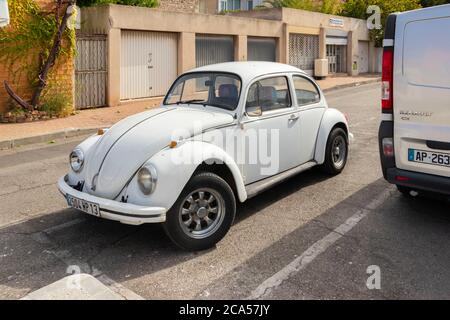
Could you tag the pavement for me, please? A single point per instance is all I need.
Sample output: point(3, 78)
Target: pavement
point(351, 236)
point(90, 120)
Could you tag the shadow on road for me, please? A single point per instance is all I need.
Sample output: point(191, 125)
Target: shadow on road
point(129, 252)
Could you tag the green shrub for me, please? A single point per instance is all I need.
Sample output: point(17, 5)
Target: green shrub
point(57, 104)
point(137, 3)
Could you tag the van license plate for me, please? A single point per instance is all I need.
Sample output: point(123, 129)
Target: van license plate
point(422, 156)
point(83, 205)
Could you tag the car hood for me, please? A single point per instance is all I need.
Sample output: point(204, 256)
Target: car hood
point(127, 145)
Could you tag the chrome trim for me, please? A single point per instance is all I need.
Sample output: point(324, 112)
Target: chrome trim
point(257, 187)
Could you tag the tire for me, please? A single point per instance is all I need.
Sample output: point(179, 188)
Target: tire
point(202, 214)
point(334, 164)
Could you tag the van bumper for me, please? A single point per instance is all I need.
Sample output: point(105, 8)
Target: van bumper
point(420, 181)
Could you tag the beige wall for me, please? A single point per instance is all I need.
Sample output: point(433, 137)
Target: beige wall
point(276, 23)
point(111, 19)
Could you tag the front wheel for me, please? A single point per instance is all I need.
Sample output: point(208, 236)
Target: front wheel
point(336, 152)
point(202, 214)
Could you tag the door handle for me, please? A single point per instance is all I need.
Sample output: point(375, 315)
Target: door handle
point(293, 117)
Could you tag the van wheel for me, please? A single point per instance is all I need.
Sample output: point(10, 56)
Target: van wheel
point(336, 152)
point(202, 214)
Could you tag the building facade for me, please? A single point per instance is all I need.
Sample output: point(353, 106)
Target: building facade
point(142, 56)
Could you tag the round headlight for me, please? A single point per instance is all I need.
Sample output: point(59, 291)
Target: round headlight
point(147, 179)
point(76, 160)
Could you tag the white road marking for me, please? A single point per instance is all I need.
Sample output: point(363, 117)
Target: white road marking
point(64, 225)
point(265, 288)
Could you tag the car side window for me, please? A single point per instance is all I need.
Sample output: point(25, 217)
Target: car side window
point(269, 94)
point(305, 91)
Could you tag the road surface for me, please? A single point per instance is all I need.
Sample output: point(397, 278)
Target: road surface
point(351, 236)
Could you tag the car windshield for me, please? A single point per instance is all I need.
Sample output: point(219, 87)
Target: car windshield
point(207, 88)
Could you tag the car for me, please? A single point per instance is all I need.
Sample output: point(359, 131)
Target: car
point(223, 134)
point(414, 133)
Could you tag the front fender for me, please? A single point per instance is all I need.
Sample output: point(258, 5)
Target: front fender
point(175, 166)
point(331, 118)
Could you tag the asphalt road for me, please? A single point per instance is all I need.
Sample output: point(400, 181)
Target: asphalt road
point(311, 237)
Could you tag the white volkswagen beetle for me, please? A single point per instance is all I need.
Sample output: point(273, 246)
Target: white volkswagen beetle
point(223, 133)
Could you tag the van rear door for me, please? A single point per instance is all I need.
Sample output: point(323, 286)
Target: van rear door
point(421, 91)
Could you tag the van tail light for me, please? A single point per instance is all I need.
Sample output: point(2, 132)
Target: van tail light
point(387, 80)
point(388, 147)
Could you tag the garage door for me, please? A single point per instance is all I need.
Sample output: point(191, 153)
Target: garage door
point(148, 63)
point(363, 63)
point(210, 49)
point(261, 49)
point(303, 50)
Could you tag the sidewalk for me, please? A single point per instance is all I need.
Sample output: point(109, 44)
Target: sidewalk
point(88, 121)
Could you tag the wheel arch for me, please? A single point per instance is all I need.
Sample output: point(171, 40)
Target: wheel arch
point(331, 119)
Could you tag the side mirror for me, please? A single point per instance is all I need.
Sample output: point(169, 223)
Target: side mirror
point(254, 111)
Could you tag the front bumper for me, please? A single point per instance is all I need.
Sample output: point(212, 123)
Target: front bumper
point(421, 181)
point(114, 210)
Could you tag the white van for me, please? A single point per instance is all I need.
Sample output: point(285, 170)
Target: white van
point(414, 134)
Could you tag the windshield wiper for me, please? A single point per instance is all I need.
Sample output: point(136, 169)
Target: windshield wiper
point(193, 101)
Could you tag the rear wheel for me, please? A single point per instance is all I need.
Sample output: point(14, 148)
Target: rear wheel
point(336, 152)
point(202, 214)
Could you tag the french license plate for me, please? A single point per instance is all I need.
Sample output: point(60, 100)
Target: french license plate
point(83, 205)
point(422, 156)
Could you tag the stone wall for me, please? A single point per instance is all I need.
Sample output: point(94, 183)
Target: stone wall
point(179, 5)
point(61, 77)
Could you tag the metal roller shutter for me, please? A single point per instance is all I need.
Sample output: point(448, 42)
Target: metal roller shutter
point(210, 49)
point(261, 49)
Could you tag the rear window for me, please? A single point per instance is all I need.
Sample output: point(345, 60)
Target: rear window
point(426, 58)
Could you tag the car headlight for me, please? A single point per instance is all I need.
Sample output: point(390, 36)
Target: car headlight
point(76, 160)
point(147, 179)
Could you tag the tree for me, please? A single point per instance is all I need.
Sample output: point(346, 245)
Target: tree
point(358, 9)
point(44, 28)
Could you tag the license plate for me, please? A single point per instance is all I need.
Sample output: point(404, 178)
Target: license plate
point(83, 205)
point(435, 158)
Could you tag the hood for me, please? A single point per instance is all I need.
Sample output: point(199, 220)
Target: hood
point(131, 142)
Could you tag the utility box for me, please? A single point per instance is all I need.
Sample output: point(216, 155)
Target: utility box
point(320, 68)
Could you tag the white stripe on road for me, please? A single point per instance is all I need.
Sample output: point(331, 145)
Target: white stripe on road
point(264, 289)
point(64, 225)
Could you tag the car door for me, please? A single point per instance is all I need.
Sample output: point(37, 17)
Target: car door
point(311, 107)
point(270, 129)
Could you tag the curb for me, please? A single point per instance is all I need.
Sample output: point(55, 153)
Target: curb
point(65, 134)
point(350, 85)
point(74, 132)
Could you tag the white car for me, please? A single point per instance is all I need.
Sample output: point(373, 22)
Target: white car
point(223, 134)
point(414, 134)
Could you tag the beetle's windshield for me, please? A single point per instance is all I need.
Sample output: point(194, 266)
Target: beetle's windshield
point(207, 88)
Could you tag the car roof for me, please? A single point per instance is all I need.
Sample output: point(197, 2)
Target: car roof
point(248, 70)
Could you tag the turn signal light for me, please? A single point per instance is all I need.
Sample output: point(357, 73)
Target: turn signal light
point(172, 144)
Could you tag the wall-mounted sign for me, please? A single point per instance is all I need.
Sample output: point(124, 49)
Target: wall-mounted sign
point(4, 13)
point(336, 22)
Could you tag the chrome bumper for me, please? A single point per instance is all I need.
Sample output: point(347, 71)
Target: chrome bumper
point(113, 210)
